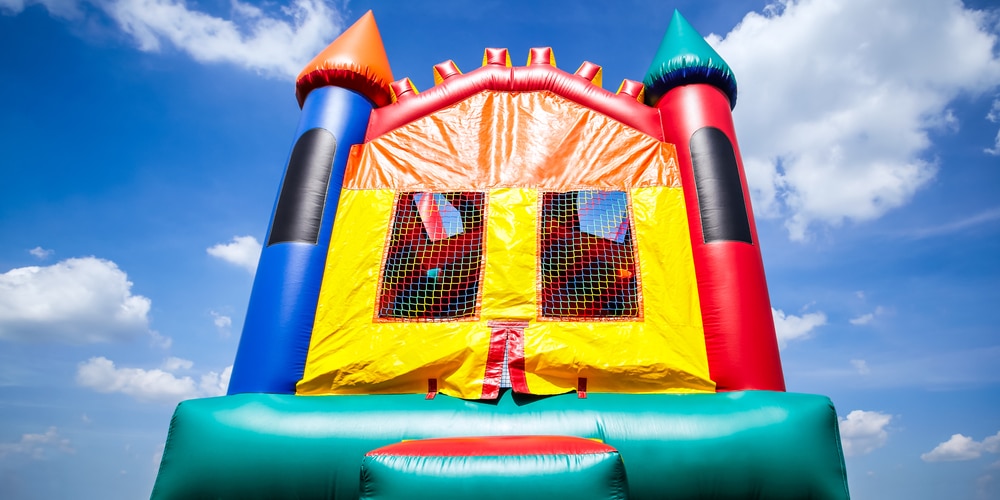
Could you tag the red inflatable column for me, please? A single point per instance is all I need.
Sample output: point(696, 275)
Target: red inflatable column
point(736, 311)
point(695, 90)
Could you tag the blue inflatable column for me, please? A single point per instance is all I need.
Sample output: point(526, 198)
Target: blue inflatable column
point(272, 351)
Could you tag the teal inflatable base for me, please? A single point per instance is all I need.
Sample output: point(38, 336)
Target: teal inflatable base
point(752, 444)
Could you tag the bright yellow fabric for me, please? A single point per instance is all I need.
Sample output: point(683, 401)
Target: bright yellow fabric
point(662, 352)
point(352, 353)
point(511, 255)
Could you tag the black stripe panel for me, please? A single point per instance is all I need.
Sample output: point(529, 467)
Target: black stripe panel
point(303, 192)
point(720, 193)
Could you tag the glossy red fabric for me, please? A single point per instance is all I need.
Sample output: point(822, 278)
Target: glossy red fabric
point(623, 108)
point(493, 446)
point(494, 362)
point(736, 311)
point(356, 60)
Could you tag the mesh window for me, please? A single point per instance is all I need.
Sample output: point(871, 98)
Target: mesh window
point(586, 256)
point(434, 256)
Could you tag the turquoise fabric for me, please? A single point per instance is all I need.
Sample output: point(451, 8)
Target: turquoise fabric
point(534, 474)
point(685, 58)
point(752, 444)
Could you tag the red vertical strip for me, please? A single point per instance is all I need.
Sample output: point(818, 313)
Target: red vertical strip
point(515, 355)
point(494, 361)
point(581, 388)
point(432, 388)
point(739, 330)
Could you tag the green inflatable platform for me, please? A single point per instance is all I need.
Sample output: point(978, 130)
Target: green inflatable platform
point(753, 444)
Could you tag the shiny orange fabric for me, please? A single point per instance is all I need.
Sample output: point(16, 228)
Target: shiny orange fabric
point(355, 60)
point(500, 139)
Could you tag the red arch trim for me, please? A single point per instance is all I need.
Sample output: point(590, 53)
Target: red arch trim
point(621, 107)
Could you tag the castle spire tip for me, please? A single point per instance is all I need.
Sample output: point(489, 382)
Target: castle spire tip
point(684, 58)
point(356, 60)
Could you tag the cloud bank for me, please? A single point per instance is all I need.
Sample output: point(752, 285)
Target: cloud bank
point(41, 253)
point(839, 97)
point(38, 446)
point(75, 301)
point(243, 251)
point(789, 327)
point(862, 432)
point(960, 448)
point(994, 116)
point(276, 43)
point(161, 385)
point(222, 322)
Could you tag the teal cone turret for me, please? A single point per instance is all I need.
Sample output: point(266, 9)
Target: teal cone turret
point(685, 58)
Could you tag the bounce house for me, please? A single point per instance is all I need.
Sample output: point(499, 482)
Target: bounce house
point(515, 284)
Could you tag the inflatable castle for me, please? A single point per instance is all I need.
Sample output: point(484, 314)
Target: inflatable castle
point(515, 284)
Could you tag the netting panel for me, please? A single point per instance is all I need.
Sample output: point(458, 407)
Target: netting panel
point(587, 257)
point(433, 259)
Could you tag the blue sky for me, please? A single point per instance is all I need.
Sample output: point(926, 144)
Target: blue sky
point(142, 142)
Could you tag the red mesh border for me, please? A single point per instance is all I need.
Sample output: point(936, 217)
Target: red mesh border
point(425, 280)
point(582, 276)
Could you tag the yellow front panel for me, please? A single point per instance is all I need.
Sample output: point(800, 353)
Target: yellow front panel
point(511, 243)
point(352, 353)
point(662, 351)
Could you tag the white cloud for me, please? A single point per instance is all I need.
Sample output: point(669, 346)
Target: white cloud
point(938, 370)
point(157, 457)
point(959, 448)
point(278, 45)
point(83, 300)
point(275, 43)
point(994, 116)
point(100, 374)
point(863, 431)
point(155, 385)
point(243, 251)
point(861, 366)
point(984, 217)
point(38, 446)
point(161, 341)
point(838, 98)
point(995, 150)
point(68, 9)
point(790, 327)
point(39, 252)
point(215, 384)
point(173, 364)
point(222, 322)
point(985, 487)
point(865, 319)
